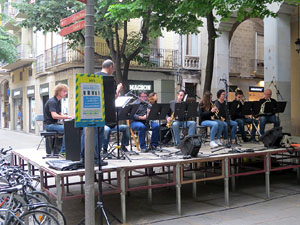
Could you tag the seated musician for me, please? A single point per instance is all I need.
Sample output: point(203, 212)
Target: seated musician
point(153, 98)
point(141, 124)
point(176, 125)
point(206, 111)
point(267, 118)
point(221, 105)
point(242, 119)
point(52, 113)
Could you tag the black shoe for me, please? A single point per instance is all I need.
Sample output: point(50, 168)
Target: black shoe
point(102, 163)
point(152, 148)
point(124, 149)
point(144, 150)
point(245, 139)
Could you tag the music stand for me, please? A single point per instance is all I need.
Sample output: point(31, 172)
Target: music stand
point(127, 114)
point(120, 103)
point(255, 108)
point(270, 108)
point(232, 107)
point(280, 107)
point(159, 112)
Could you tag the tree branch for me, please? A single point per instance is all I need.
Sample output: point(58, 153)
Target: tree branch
point(117, 39)
point(124, 39)
point(144, 31)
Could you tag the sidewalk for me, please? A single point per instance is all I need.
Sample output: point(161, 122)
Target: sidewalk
point(248, 204)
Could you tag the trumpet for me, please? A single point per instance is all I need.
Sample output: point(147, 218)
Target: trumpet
point(216, 116)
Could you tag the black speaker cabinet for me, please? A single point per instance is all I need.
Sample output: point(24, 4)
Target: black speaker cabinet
point(191, 145)
point(109, 85)
point(54, 143)
point(72, 140)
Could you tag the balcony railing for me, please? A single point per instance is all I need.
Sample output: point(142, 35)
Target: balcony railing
point(235, 65)
point(40, 64)
point(191, 62)
point(258, 66)
point(25, 51)
point(159, 58)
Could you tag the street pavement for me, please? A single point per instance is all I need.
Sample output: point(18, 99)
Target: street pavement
point(248, 205)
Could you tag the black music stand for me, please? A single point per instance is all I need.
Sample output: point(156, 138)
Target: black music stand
point(255, 108)
point(184, 111)
point(159, 112)
point(280, 107)
point(120, 154)
point(270, 108)
point(127, 114)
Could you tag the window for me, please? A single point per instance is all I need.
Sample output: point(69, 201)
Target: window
point(30, 72)
point(21, 75)
point(13, 78)
point(191, 47)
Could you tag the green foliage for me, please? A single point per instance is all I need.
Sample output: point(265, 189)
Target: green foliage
point(8, 52)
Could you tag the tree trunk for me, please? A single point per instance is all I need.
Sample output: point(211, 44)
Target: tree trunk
point(125, 76)
point(211, 52)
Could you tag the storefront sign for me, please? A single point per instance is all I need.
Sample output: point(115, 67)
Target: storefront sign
point(30, 91)
point(89, 108)
point(256, 89)
point(44, 89)
point(137, 85)
point(17, 93)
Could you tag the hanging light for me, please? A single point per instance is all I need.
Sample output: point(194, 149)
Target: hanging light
point(298, 39)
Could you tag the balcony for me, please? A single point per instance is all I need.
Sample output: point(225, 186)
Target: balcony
point(40, 65)
point(191, 62)
point(158, 58)
point(235, 66)
point(25, 56)
point(257, 66)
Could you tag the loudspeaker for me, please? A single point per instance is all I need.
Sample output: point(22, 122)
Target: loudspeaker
point(109, 85)
point(52, 142)
point(191, 145)
point(72, 140)
point(272, 138)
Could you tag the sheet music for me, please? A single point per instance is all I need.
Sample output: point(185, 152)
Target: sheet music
point(122, 101)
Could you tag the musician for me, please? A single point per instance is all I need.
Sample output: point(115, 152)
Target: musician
point(265, 118)
point(242, 119)
point(206, 111)
point(141, 124)
point(153, 98)
point(104, 132)
point(52, 113)
point(221, 105)
point(178, 124)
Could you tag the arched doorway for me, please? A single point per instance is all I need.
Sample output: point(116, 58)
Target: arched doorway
point(5, 117)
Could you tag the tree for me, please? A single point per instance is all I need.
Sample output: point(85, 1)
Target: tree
point(111, 23)
point(8, 52)
point(215, 11)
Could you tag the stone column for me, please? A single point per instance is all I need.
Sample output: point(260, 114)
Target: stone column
point(221, 63)
point(277, 43)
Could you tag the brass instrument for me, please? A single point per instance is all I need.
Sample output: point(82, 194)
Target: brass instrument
point(216, 116)
point(262, 107)
point(172, 118)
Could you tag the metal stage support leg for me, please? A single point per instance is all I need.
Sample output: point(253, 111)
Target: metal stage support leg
point(150, 190)
point(178, 189)
point(298, 168)
point(123, 195)
point(81, 185)
point(226, 182)
point(194, 185)
point(58, 192)
point(267, 175)
point(232, 169)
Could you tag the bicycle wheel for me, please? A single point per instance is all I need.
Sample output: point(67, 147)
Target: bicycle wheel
point(42, 196)
point(53, 211)
point(36, 217)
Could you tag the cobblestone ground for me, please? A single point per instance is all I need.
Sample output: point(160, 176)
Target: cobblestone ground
point(247, 203)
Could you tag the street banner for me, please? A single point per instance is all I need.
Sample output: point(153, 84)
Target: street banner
point(74, 27)
point(71, 19)
point(90, 108)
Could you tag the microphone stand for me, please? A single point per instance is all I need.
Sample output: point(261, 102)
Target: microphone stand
point(277, 93)
point(228, 144)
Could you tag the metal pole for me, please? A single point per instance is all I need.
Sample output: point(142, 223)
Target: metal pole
point(89, 131)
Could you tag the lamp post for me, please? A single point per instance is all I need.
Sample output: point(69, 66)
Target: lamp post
point(298, 39)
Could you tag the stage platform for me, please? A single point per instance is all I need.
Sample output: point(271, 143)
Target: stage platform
point(163, 169)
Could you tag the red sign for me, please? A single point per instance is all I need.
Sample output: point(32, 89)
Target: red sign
point(83, 1)
point(74, 27)
point(71, 19)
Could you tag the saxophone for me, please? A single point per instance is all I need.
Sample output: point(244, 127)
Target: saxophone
point(172, 118)
point(262, 107)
